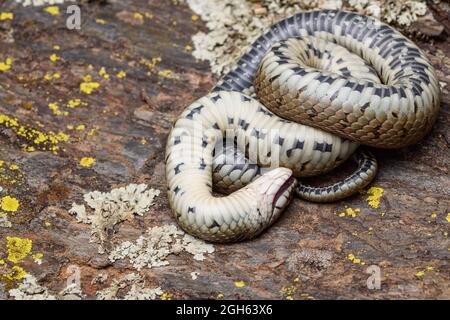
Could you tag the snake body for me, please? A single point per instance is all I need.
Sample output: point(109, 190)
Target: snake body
point(327, 81)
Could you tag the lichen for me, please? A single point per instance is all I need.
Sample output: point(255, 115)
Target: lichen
point(37, 3)
point(355, 260)
point(6, 16)
point(87, 162)
point(29, 289)
point(136, 291)
point(350, 212)
point(111, 208)
point(34, 138)
point(16, 273)
point(5, 66)
point(18, 248)
point(375, 194)
point(9, 204)
point(53, 10)
point(153, 248)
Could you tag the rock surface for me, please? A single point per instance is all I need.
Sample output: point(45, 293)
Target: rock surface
point(62, 148)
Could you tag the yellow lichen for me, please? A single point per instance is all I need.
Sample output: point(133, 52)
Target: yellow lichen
point(188, 48)
point(9, 204)
point(150, 64)
point(53, 10)
point(194, 17)
point(239, 284)
point(375, 194)
point(354, 259)
point(56, 47)
point(56, 110)
point(100, 21)
point(50, 76)
point(103, 73)
point(16, 273)
point(6, 16)
point(448, 217)
point(350, 212)
point(138, 16)
point(80, 127)
point(87, 162)
point(75, 103)
point(44, 141)
point(165, 73)
point(5, 66)
point(54, 57)
point(18, 248)
point(89, 87)
point(121, 74)
point(166, 296)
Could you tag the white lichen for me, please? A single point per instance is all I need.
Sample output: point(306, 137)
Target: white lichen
point(99, 279)
point(38, 3)
point(194, 275)
point(30, 290)
point(153, 248)
point(111, 208)
point(71, 292)
point(4, 222)
point(137, 290)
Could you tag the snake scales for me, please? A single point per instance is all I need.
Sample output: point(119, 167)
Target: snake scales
point(327, 81)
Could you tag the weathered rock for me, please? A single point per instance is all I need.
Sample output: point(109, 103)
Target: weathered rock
point(313, 251)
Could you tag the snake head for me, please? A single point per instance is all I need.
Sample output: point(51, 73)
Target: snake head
point(272, 192)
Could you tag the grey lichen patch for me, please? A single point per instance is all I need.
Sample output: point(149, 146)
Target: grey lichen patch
point(107, 209)
point(4, 222)
point(72, 292)
point(30, 290)
point(234, 24)
point(37, 3)
point(153, 248)
point(399, 13)
point(136, 291)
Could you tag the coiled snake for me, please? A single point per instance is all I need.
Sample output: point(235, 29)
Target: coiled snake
point(327, 81)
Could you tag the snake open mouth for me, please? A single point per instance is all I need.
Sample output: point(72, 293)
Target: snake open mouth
point(284, 194)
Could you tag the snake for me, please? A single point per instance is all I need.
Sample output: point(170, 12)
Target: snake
point(300, 101)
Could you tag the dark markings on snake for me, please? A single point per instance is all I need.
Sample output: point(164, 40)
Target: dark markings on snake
point(202, 164)
point(245, 98)
point(215, 98)
point(279, 140)
point(204, 142)
point(194, 111)
point(365, 106)
point(359, 87)
point(378, 92)
point(177, 189)
point(191, 210)
point(299, 144)
point(266, 112)
point(177, 168)
point(323, 147)
point(258, 134)
point(243, 124)
point(214, 225)
point(230, 120)
point(177, 140)
point(216, 126)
